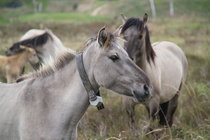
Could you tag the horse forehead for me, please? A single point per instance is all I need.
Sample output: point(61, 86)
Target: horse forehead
point(119, 48)
point(131, 30)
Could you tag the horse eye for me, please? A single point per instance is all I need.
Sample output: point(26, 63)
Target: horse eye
point(140, 36)
point(114, 57)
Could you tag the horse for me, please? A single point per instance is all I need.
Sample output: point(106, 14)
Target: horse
point(11, 66)
point(49, 103)
point(164, 63)
point(47, 45)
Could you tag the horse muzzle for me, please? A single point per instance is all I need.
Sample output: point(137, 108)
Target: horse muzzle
point(143, 93)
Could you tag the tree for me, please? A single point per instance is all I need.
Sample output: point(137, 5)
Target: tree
point(4, 2)
point(153, 9)
point(171, 7)
point(38, 5)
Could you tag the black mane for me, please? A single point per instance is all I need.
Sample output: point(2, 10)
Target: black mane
point(139, 24)
point(132, 22)
point(31, 42)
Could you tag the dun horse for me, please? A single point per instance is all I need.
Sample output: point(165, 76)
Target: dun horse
point(49, 103)
point(164, 63)
point(11, 66)
point(47, 45)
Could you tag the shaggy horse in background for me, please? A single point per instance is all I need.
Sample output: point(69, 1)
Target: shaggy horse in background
point(46, 44)
point(11, 66)
point(164, 63)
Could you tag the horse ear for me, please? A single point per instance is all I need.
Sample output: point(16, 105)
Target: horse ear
point(102, 36)
point(118, 31)
point(23, 47)
point(124, 18)
point(145, 19)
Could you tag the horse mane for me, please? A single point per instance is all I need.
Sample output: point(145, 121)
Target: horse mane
point(31, 42)
point(64, 58)
point(47, 70)
point(88, 42)
point(139, 24)
point(132, 22)
point(109, 39)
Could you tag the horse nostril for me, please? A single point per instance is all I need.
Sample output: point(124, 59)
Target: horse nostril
point(146, 89)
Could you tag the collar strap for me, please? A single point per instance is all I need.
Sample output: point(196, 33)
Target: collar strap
point(94, 96)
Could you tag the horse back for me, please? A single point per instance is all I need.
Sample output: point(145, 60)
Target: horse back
point(10, 106)
point(173, 68)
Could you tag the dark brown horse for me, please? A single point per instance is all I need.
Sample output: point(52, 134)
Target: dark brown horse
point(165, 64)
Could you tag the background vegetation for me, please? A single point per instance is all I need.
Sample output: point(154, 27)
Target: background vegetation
point(74, 21)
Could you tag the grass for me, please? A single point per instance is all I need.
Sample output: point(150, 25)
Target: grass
point(75, 18)
point(62, 18)
point(192, 116)
point(193, 7)
point(4, 21)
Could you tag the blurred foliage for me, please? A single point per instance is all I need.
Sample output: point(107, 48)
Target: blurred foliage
point(63, 17)
point(31, 4)
point(116, 7)
point(4, 2)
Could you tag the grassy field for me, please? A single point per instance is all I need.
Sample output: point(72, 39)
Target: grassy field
point(190, 29)
point(75, 18)
point(192, 119)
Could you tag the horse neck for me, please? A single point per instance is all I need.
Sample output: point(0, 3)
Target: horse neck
point(68, 94)
point(141, 57)
point(88, 58)
point(78, 98)
point(51, 51)
point(146, 54)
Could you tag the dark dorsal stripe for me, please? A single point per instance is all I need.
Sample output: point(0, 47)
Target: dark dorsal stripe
point(136, 22)
point(149, 50)
point(31, 42)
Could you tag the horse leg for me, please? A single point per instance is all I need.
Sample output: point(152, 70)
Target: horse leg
point(153, 108)
point(171, 109)
point(9, 77)
point(162, 113)
point(129, 105)
point(173, 103)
